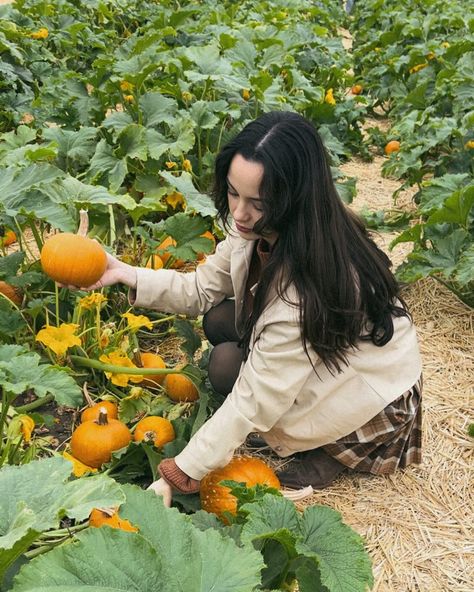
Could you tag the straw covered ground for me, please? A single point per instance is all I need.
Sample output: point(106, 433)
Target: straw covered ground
point(419, 523)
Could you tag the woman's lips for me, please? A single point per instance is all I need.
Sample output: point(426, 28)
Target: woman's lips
point(242, 228)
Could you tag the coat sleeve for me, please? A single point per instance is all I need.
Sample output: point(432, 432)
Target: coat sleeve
point(267, 386)
point(192, 293)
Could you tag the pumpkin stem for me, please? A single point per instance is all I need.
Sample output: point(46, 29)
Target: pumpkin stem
point(149, 436)
point(102, 419)
point(83, 223)
point(87, 397)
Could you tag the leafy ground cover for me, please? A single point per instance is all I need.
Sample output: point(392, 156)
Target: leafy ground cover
point(418, 66)
point(119, 109)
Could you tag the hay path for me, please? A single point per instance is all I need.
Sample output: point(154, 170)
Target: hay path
point(419, 523)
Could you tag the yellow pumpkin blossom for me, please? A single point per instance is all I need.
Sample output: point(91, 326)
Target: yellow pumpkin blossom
point(186, 96)
point(137, 321)
point(469, 145)
point(126, 86)
point(417, 68)
point(136, 392)
point(27, 426)
point(430, 55)
point(104, 339)
point(59, 339)
point(445, 44)
point(129, 98)
point(92, 300)
point(187, 166)
point(245, 94)
point(78, 468)
point(329, 98)
point(175, 199)
point(118, 358)
point(40, 33)
point(170, 164)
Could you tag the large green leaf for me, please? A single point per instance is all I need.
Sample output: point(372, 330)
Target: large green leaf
point(105, 164)
point(456, 208)
point(73, 145)
point(23, 370)
point(192, 560)
point(343, 561)
point(158, 109)
point(195, 201)
point(36, 496)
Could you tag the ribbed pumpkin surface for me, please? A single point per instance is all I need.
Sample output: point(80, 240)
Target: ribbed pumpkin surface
point(72, 259)
point(217, 499)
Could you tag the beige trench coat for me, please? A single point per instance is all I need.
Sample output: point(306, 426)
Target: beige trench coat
point(277, 392)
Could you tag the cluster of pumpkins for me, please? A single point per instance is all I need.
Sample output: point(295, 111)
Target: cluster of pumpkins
point(101, 432)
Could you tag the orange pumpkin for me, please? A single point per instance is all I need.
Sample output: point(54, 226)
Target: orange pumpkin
point(92, 412)
point(74, 259)
point(93, 442)
point(156, 429)
point(165, 256)
point(154, 262)
point(151, 360)
point(180, 388)
point(100, 518)
point(217, 498)
point(11, 292)
point(208, 234)
point(391, 147)
point(8, 238)
point(357, 89)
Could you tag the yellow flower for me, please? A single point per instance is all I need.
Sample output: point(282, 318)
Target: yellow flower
point(329, 98)
point(117, 358)
point(469, 144)
point(126, 86)
point(430, 55)
point(129, 98)
point(27, 426)
point(40, 33)
point(175, 199)
point(445, 44)
point(78, 468)
point(170, 164)
point(92, 300)
point(187, 166)
point(417, 68)
point(59, 339)
point(186, 96)
point(245, 94)
point(137, 321)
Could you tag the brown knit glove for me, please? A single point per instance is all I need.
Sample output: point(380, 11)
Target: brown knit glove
point(177, 478)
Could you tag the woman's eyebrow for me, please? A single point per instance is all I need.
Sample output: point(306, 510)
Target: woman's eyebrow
point(235, 190)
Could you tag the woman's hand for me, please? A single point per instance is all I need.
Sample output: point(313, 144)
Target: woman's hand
point(161, 487)
point(116, 272)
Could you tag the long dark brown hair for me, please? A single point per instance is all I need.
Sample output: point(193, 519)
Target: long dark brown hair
point(343, 280)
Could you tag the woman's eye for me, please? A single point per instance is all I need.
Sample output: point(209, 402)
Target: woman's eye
point(232, 193)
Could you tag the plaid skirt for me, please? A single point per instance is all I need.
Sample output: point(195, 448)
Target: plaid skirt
point(390, 440)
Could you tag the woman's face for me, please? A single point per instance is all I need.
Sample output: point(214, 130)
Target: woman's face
point(243, 183)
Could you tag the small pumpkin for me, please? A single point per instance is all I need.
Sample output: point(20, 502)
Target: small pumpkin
point(156, 429)
point(165, 256)
point(180, 388)
point(151, 360)
point(100, 518)
point(391, 147)
point(208, 234)
point(217, 498)
point(8, 238)
point(357, 89)
point(74, 259)
point(93, 442)
point(11, 292)
point(154, 262)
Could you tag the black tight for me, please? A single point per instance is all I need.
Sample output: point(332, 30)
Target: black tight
point(226, 356)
